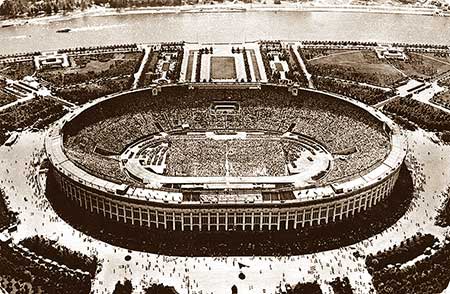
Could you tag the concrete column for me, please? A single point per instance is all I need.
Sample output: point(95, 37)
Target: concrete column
point(173, 221)
point(278, 221)
point(209, 221)
point(295, 220)
point(253, 221)
point(165, 220)
point(182, 221)
point(287, 220)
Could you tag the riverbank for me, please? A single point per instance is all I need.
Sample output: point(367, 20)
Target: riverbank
point(98, 11)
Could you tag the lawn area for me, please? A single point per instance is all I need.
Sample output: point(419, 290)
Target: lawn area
point(423, 65)
point(190, 64)
point(166, 66)
point(92, 67)
point(148, 75)
point(278, 66)
point(223, 68)
point(17, 70)
point(255, 65)
point(356, 65)
point(442, 99)
point(6, 98)
point(310, 53)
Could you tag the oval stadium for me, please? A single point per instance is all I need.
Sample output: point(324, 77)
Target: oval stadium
point(225, 157)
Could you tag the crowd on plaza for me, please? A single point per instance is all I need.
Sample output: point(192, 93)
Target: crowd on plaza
point(335, 124)
point(29, 271)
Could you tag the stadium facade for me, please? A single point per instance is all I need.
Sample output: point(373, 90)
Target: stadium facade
point(238, 203)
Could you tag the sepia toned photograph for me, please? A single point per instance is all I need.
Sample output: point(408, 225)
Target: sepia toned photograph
point(225, 147)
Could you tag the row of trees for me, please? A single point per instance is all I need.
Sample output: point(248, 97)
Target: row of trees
point(301, 288)
point(174, 75)
point(341, 286)
point(443, 218)
point(246, 65)
point(407, 250)
point(62, 255)
point(13, 8)
point(6, 216)
point(362, 93)
point(424, 115)
point(429, 275)
point(42, 110)
point(84, 93)
point(44, 277)
point(127, 288)
point(353, 73)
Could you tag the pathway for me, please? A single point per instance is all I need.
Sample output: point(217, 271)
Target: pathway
point(137, 75)
point(303, 66)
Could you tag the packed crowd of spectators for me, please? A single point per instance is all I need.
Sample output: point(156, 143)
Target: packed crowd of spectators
point(202, 159)
point(256, 157)
point(335, 124)
point(102, 166)
point(209, 157)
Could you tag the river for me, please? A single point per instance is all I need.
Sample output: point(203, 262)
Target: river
point(225, 27)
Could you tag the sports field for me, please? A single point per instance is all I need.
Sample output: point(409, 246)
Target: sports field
point(223, 68)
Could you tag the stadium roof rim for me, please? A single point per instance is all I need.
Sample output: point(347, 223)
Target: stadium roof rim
point(350, 184)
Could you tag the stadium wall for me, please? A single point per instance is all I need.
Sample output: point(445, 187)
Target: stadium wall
point(104, 199)
point(198, 217)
